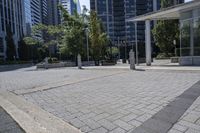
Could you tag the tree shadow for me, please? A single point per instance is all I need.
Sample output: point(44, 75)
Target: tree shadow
point(5, 68)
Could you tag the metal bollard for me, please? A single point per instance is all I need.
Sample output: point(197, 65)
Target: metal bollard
point(132, 60)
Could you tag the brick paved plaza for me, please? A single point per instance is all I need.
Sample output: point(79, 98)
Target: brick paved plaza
point(105, 100)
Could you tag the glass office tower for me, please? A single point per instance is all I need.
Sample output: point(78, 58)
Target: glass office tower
point(12, 18)
point(115, 14)
point(54, 17)
point(71, 6)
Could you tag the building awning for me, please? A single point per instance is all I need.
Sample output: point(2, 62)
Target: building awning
point(168, 13)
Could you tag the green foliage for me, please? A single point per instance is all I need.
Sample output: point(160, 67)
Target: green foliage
point(166, 31)
point(11, 50)
point(167, 3)
point(164, 56)
point(98, 38)
point(31, 41)
point(114, 50)
point(73, 34)
point(70, 36)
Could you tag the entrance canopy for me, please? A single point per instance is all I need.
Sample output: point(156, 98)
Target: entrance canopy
point(173, 12)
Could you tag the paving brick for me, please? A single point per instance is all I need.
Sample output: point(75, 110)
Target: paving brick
point(115, 117)
point(85, 129)
point(128, 93)
point(101, 116)
point(174, 131)
point(191, 118)
point(144, 117)
point(123, 125)
point(129, 117)
point(99, 130)
point(189, 125)
point(180, 128)
point(86, 116)
point(107, 124)
point(77, 123)
point(135, 123)
point(192, 131)
point(118, 130)
point(92, 124)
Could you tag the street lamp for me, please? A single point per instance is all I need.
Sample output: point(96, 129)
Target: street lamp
point(86, 30)
point(136, 44)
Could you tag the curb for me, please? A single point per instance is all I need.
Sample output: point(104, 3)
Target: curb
point(31, 118)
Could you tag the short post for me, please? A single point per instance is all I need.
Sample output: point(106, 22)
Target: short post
point(79, 61)
point(46, 63)
point(132, 60)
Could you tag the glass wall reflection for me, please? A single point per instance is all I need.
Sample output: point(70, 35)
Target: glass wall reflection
point(190, 33)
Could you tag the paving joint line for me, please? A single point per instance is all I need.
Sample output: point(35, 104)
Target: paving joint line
point(65, 84)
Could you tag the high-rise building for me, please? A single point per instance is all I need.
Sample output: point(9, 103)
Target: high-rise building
point(36, 12)
point(71, 6)
point(105, 11)
point(12, 19)
point(33, 15)
point(115, 14)
point(54, 17)
point(28, 17)
point(44, 11)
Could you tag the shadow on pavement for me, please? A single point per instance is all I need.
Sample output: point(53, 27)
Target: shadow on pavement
point(4, 68)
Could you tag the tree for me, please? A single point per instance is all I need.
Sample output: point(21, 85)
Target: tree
point(51, 35)
point(98, 38)
point(23, 50)
point(11, 50)
point(38, 51)
point(73, 33)
point(166, 31)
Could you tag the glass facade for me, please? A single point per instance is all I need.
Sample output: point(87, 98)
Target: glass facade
point(105, 12)
point(116, 22)
point(28, 18)
point(35, 12)
point(71, 6)
point(190, 33)
point(54, 16)
point(12, 18)
point(44, 11)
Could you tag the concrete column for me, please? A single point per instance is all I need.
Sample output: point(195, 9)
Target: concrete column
point(148, 42)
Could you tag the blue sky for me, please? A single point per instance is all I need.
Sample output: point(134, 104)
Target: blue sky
point(85, 2)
